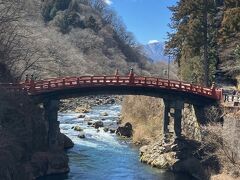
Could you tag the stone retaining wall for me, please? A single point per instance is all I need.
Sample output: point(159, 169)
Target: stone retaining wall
point(190, 123)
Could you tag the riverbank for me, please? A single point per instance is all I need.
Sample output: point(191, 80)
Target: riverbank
point(84, 104)
point(210, 135)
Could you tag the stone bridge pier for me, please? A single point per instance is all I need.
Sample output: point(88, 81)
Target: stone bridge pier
point(51, 108)
point(174, 109)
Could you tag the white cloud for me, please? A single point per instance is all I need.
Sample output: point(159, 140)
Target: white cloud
point(153, 41)
point(109, 2)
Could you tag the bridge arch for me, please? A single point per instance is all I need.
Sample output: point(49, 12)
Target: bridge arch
point(174, 93)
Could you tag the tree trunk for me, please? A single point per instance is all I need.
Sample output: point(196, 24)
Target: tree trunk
point(206, 61)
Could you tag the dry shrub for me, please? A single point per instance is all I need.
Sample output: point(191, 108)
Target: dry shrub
point(145, 114)
point(214, 113)
point(222, 177)
point(220, 141)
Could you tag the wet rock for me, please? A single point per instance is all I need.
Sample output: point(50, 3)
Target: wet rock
point(192, 166)
point(49, 163)
point(112, 131)
point(125, 130)
point(81, 135)
point(90, 123)
point(177, 156)
point(143, 150)
point(110, 101)
point(67, 142)
point(81, 116)
point(164, 161)
point(87, 119)
point(105, 129)
point(104, 114)
point(78, 128)
point(98, 124)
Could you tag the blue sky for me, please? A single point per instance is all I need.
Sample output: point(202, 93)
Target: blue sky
point(147, 19)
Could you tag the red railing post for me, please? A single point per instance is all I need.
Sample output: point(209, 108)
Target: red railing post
point(104, 79)
point(117, 79)
point(26, 83)
point(116, 73)
point(213, 88)
point(91, 80)
point(27, 79)
point(49, 84)
point(117, 76)
point(32, 84)
point(64, 82)
point(131, 76)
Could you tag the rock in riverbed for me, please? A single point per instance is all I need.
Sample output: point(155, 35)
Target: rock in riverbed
point(81, 110)
point(98, 124)
point(105, 129)
point(112, 131)
point(90, 123)
point(81, 135)
point(87, 119)
point(81, 116)
point(125, 130)
point(77, 128)
point(104, 114)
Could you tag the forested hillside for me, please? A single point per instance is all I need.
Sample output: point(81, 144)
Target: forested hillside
point(65, 38)
point(205, 39)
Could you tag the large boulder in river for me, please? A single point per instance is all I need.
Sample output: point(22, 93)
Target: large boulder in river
point(125, 130)
point(98, 124)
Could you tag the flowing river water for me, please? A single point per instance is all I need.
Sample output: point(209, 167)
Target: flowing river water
point(104, 156)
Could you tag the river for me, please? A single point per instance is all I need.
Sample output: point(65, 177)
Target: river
point(104, 156)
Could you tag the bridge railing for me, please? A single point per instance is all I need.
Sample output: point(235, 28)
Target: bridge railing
point(41, 86)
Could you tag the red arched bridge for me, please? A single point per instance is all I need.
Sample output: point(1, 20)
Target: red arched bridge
point(126, 85)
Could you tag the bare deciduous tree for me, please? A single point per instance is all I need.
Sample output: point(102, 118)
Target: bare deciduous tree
point(15, 37)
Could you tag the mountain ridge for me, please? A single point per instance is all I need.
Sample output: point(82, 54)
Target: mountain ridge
point(155, 51)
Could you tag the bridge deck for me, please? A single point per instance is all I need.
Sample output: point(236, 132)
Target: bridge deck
point(53, 84)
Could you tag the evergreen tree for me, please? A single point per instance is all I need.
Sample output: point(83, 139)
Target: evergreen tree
point(194, 39)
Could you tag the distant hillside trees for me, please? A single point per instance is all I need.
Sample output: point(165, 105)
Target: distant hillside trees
point(95, 15)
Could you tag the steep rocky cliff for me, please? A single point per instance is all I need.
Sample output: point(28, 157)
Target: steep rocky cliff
point(24, 151)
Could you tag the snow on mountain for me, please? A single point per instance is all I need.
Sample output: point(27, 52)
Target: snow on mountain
point(155, 51)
